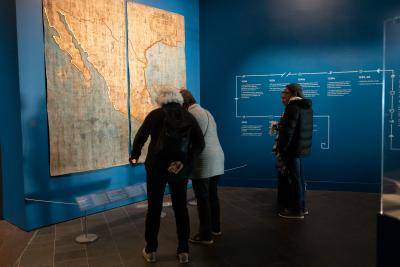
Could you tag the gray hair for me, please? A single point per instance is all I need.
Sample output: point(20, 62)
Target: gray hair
point(167, 95)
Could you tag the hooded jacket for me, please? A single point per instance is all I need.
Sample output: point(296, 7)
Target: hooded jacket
point(296, 129)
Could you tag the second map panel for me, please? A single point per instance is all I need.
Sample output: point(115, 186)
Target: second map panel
point(156, 57)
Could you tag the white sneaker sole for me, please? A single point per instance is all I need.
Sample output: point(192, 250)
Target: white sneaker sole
point(290, 216)
point(183, 259)
point(147, 258)
point(204, 242)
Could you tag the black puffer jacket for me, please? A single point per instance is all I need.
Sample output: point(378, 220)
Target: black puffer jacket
point(296, 129)
point(152, 127)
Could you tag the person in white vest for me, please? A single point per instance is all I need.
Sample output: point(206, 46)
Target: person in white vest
point(207, 169)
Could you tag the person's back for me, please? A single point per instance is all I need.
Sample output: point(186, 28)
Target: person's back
point(164, 166)
point(153, 126)
point(294, 142)
point(211, 160)
point(297, 128)
point(208, 167)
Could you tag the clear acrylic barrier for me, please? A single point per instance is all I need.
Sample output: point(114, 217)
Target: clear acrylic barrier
point(390, 203)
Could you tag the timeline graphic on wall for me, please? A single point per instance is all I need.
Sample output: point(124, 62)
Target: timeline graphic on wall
point(257, 99)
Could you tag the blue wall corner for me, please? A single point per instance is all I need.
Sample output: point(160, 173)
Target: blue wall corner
point(11, 133)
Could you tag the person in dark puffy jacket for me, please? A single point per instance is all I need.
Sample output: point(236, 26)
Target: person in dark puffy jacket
point(294, 142)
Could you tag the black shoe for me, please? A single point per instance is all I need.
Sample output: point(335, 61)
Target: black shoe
point(291, 215)
point(198, 240)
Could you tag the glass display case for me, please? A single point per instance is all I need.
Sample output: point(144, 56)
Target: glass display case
point(388, 224)
point(390, 202)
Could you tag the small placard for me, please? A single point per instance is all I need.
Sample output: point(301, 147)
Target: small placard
point(134, 190)
point(117, 195)
point(100, 199)
point(93, 200)
point(84, 202)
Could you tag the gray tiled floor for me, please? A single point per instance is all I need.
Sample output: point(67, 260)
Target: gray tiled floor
point(339, 232)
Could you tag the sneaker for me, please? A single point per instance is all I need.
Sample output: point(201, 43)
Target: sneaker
point(219, 233)
point(291, 215)
point(149, 257)
point(306, 212)
point(183, 257)
point(198, 240)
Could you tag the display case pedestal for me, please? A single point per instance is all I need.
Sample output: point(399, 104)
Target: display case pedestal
point(388, 240)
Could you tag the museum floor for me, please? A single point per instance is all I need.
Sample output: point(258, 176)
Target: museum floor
point(340, 231)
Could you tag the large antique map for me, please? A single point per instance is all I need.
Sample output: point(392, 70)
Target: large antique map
point(87, 84)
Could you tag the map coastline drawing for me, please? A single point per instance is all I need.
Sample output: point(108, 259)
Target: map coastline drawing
point(87, 77)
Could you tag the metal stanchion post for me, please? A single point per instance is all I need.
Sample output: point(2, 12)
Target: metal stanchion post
point(86, 238)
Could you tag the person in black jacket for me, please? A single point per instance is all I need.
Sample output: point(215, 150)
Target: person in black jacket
point(162, 168)
point(294, 142)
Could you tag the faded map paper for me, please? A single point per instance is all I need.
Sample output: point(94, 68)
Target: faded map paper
point(87, 85)
point(156, 57)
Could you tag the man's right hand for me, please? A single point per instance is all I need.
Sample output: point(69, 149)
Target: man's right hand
point(175, 167)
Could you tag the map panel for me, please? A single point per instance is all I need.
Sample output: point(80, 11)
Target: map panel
point(156, 58)
point(87, 96)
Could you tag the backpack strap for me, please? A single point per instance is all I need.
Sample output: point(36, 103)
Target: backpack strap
point(208, 123)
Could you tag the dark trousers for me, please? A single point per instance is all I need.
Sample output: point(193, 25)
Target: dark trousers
point(292, 186)
point(206, 192)
point(155, 193)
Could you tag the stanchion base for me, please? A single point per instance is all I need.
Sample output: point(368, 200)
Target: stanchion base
point(84, 239)
point(145, 205)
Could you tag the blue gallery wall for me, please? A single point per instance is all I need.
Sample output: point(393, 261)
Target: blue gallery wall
point(35, 167)
point(258, 37)
point(10, 131)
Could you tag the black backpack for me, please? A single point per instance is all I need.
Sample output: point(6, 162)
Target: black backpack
point(173, 143)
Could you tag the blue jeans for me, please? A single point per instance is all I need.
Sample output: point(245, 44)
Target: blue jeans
point(292, 186)
point(206, 192)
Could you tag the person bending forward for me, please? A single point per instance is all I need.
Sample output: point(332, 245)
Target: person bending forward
point(164, 165)
point(208, 167)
